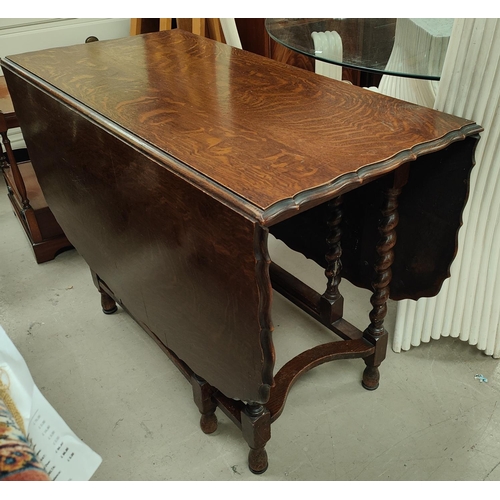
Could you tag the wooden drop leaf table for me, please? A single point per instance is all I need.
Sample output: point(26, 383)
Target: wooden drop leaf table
point(168, 158)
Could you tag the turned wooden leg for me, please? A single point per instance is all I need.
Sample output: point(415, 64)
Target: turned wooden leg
point(108, 304)
point(202, 393)
point(376, 333)
point(332, 302)
point(256, 428)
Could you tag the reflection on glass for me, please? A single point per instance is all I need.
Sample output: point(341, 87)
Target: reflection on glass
point(370, 44)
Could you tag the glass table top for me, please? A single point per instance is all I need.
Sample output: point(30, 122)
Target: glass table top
point(400, 47)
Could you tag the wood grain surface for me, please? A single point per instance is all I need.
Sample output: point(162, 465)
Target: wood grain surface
point(191, 271)
point(267, 132)
point(167, 158)
point(166, 155)
point(430, 213)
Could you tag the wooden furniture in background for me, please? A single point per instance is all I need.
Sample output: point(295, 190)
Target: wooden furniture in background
point(211, 28)
point(171, 186)
point(44, 233)
point(255, 38)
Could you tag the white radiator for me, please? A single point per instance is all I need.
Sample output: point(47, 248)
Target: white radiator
point(468, 305)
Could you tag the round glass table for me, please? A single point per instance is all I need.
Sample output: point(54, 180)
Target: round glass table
point(403, 50)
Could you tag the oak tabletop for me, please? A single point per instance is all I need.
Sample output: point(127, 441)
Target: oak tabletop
point(263, 130)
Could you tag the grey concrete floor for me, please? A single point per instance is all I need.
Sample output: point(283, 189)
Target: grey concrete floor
point(429, 420)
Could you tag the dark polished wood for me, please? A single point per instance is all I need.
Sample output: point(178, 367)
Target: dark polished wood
point(203, 397)
point(44, 234)
point(222, 134)
point(376, 334)
point(427, 233)
point(309, 359)
point(168, 158)
point(256, 429)
point(332, 302)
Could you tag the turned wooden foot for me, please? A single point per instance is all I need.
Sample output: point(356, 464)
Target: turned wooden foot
point(257, 460)
point(108, 304)
point(208, 423)
point(256, 428)
point(371, 377)
point(202, 394)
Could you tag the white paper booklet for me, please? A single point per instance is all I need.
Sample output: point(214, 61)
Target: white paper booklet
point(64, 456)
